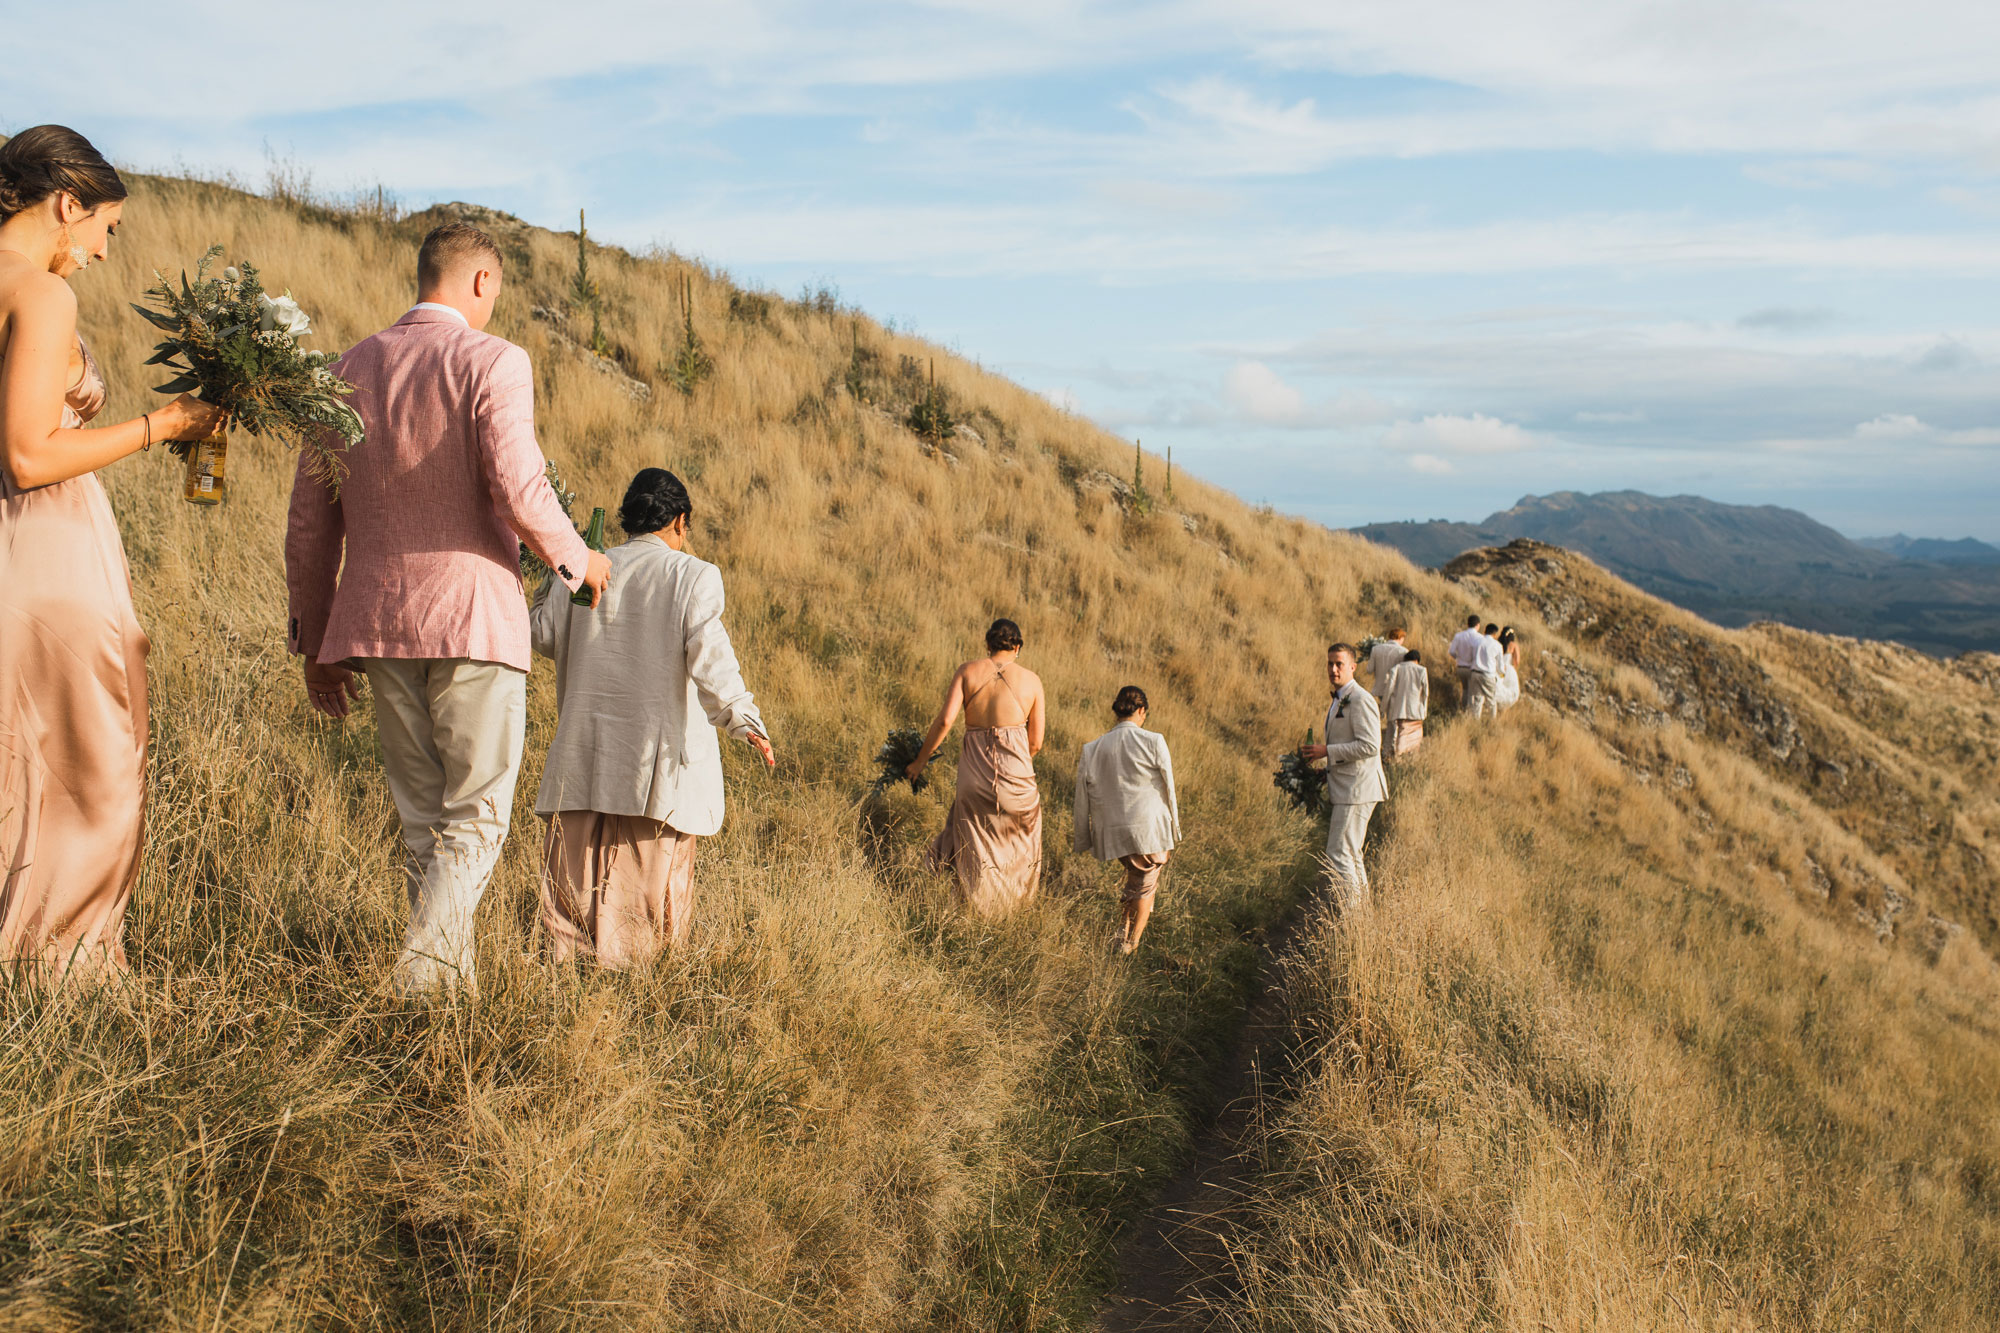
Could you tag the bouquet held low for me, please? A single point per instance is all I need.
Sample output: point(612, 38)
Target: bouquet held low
point(238, 346)
point(1302, 784)
point(898, 752)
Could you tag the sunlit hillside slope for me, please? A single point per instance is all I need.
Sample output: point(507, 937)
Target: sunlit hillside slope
point(1617, 978)
point(1677, 1010)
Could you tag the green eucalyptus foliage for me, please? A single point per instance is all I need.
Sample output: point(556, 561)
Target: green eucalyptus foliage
point(239, 349)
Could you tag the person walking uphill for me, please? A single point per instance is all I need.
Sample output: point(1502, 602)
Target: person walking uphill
point(1408, 704)
point(428, 600)
point(1354, 780)
point(1125, 808)
point(992, 839)
point(634, 777)
point(1464, 657)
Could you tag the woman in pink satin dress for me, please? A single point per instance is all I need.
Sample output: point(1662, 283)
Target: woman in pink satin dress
point(992, 839)
point(72, 655)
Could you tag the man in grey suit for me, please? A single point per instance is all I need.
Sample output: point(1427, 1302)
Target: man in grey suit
point(1354, 780)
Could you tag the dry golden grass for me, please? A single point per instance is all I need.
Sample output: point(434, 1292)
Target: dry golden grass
point(842, 1106)
point(1592, 1064)
point(1604, 1060)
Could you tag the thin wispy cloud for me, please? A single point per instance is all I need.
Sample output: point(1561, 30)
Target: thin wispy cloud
point(1460, 248)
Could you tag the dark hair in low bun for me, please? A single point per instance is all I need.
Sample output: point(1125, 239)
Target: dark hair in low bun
point(653, 501)
point(1129, 701)
point(1002, 636)
point(53, 159)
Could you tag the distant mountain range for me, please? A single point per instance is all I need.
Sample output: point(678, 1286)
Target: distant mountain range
point(1964, 551)
point(1735, 564)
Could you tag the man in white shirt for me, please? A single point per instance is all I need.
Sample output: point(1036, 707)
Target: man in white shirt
point(1408, 704)
point(1354, 780)
point(1488, 657)
point(1464, 649)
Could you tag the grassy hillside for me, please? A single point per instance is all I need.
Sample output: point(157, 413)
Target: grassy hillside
point(1662, 1023)
point(1607, 1013)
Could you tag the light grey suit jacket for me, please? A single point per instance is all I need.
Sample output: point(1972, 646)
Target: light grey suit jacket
point(1409, 692)
point(642, 682)
point(1125, 795)
point(1354, 748)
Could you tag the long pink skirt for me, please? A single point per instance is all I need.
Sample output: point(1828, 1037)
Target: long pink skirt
point(992, 839)
point(620, 887)
point(72, 730)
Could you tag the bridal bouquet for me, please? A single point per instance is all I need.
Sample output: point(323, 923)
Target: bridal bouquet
point(239, 346)
point(1302, 784)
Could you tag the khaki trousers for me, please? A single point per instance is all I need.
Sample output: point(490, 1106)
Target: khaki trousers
point(1344, 835)
point(1464, 688)
point(1485, 688)
point(451, 734)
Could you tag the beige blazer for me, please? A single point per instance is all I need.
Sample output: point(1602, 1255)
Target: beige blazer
point(1382, 659)
point(642, 682)
point(1125, 795)
point(1354, 748)
point(1409, 693)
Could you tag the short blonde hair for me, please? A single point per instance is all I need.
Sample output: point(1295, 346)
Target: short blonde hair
point(449, 248)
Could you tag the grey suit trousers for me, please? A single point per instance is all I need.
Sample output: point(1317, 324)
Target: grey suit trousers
point(1344, 835)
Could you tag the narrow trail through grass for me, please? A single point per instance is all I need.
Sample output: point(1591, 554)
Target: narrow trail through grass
point(1177, 1250)
point(1176, 1244)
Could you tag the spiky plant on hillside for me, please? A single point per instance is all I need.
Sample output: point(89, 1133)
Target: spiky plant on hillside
point(691, 363)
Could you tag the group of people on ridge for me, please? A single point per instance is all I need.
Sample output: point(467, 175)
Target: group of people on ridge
point(1387, 720)
point(408, 576)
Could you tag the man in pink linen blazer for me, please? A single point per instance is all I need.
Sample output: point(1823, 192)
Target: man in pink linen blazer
point(428, 600)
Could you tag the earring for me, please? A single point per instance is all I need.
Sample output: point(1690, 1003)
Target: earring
point(66, 243)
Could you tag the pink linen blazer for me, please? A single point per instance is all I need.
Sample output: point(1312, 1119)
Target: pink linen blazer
point(429, 510)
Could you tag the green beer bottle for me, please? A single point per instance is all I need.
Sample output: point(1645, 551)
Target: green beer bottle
point(594, 539)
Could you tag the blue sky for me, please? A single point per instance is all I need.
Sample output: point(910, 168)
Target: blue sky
point(1410, 261)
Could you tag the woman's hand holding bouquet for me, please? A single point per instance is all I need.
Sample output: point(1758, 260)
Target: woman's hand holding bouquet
point(240, 347)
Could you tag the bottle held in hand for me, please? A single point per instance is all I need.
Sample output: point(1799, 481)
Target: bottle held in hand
point(593, 537)
point(205, 484)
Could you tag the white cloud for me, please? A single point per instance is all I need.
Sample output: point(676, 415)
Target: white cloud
point(1786, 318)
point(1066, 401)
point(1431, 465)
point(1254, 389)
point(1903, 428)
point(1891, 426)
point(1625, 418)
point(1449, 434)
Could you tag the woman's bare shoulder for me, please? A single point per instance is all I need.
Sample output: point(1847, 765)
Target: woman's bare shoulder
point(23, 287)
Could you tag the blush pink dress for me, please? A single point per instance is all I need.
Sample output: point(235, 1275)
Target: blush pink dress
point(72, 721)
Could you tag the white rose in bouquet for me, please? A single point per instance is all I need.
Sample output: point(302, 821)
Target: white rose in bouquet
point(282, 314)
